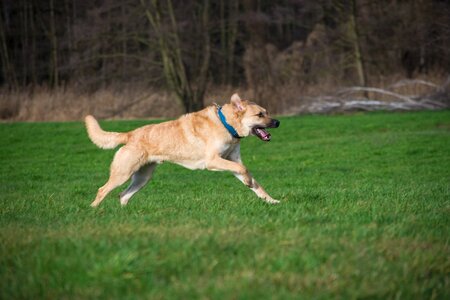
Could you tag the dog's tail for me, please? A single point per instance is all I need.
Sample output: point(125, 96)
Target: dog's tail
point(103, 139)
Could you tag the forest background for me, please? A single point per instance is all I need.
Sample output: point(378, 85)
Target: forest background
point(146, 58)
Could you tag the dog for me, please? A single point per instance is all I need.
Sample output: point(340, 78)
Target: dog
point(207, 139)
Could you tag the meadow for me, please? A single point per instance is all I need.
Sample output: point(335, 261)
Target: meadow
point(365, 213)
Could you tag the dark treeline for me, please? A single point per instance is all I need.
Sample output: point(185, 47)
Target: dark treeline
point(186, 46)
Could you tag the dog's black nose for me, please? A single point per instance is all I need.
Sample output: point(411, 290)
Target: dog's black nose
point(275, 123)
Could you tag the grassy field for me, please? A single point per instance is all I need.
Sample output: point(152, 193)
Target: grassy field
point(365, 213)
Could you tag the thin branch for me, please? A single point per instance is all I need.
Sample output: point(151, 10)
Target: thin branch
point(356, 89)
point(406, 82)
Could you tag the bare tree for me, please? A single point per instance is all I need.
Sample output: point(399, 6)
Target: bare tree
point(8, 70)
point(189, 87)
point(355, 40)
point(51, 32)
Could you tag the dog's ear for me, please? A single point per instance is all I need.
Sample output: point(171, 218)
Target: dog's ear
point(237, 102)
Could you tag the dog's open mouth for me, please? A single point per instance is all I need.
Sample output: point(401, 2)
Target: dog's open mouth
point(261, 133)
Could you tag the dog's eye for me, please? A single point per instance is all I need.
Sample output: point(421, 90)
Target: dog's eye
point(261, 115)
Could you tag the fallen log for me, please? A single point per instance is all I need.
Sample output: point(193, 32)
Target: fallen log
point(344, 100)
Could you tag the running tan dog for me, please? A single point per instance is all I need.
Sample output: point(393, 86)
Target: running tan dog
point(207, 139)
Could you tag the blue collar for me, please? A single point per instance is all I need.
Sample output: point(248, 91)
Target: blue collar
point(230, 128)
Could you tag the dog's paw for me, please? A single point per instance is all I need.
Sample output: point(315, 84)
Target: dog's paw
point(93, 204)
point(271, 201)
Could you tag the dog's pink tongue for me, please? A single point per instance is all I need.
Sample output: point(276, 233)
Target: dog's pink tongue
point(262, 134)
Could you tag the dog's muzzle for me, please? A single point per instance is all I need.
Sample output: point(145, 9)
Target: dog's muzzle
point(274, 124)
point(264, 134)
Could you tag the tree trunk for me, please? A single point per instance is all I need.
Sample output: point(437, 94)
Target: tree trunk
point(25, 51)
point(223, 41)
point(54, 74)
point(232, 36)
point(356, 45)
point(202, 79)
point(9, 73)
point(34, 75)
point(124, 42)
point(189, 91)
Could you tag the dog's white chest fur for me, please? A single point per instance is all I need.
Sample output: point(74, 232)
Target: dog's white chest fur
point(193, 164)
point(228, 150)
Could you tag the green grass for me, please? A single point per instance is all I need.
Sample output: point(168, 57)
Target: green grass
point(364, 214)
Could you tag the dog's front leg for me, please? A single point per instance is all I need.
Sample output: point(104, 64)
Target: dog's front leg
point(217, 163)
point(248, 180)
point(255, 187)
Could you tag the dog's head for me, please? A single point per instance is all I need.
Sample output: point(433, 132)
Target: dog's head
point(254, 119)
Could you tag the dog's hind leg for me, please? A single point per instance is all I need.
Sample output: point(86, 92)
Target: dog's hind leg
point(138, 180)
point(125, 163)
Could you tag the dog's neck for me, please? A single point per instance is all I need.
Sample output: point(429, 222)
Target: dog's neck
point(224, 122)
point(221, 113)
